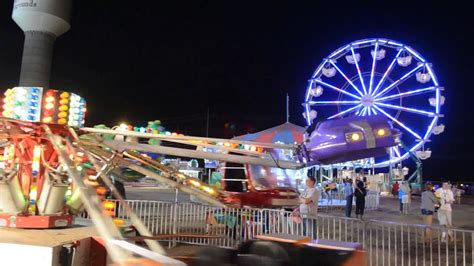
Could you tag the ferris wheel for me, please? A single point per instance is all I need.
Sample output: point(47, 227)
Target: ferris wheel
point(380, 77)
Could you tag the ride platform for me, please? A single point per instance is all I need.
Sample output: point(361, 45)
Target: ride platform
point(38, 222)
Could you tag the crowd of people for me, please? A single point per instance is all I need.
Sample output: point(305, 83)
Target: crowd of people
point(432, 201)
point(351, 189)
point(439, 201)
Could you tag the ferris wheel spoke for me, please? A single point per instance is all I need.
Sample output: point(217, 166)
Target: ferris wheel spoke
point(396, 151)
point(373, 110)
point(430, 128)
point(346, 111)
point(333, 102)
point(398, 82)
point(374, 63)
point(362, 113)
point(337, 89)
point(398, 122)
point(344, 75)
point(358, 70)
point(387, 72)
point(406, 94)
point(406, 109)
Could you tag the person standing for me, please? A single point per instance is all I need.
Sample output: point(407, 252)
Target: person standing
point(406, 199)
point(309, 207)
point(395, 189)
point(428, 201)
point(403, 194)
point(360, 193)
point(348, 195)
point(458, 194)
point(445, 211)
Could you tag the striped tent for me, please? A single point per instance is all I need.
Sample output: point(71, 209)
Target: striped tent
point(287, 133)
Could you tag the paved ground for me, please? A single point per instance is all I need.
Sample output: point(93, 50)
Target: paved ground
point(463, 214)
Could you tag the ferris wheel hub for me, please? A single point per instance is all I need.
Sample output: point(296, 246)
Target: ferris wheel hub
point(367, 100)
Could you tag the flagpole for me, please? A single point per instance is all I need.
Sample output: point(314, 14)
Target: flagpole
point(287, 108)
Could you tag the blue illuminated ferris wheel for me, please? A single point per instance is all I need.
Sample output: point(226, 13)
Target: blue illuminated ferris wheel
point(380, 77)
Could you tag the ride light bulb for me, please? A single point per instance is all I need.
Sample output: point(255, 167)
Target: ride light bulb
point(355, 136)
point(381, 132)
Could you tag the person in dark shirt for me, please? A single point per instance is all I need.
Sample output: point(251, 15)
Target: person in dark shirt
point(360, 193)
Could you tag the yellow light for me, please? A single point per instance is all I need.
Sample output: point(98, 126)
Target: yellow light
point(253, 148)
point(50, 99)
point(195, 183)
point(49, 106)
point(63, 108)
point(62, 121)
point(227, 144)
point(355, 136)
point(64, 95)
point(33, 192)
point(108, 205)
point(119, 222)
point(381, 132)
point(62, 114)
point(47, 119)
point(208, 190)
point(64, 101)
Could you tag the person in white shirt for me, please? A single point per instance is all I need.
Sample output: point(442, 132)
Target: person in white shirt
point(446, 198)
point(309, 207)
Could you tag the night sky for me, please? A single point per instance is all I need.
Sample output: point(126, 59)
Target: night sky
point(141, 62)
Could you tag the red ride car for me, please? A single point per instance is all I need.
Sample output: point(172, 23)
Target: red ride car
point(260, 186)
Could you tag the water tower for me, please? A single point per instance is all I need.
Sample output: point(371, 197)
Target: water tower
point(42, 21)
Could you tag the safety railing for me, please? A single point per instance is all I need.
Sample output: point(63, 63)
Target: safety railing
point(386, 243)
point(336, 201)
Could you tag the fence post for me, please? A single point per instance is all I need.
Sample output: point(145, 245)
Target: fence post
point(174, 219)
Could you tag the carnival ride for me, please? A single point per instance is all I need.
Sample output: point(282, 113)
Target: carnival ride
point(380, 77)
point(51, 164)
point(34, 172)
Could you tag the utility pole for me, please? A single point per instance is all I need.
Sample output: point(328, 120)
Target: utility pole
point(207, 123)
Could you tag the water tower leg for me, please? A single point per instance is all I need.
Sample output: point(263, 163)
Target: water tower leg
point(37, 57)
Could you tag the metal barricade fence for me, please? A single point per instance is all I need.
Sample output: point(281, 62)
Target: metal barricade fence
point(386, 243)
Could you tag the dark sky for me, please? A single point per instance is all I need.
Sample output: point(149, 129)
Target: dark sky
point(140, 62)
